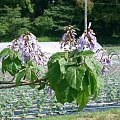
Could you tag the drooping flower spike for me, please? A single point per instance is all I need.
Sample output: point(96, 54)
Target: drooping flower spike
point(27, 44)
point(88, 40)
point(69, 41)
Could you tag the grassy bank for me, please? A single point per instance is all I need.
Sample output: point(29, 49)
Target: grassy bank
point(113, 114)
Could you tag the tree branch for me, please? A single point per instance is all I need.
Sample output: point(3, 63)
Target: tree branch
point(23, 83)
point(11, 86)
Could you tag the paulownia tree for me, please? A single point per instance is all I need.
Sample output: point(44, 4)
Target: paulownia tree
point(74, 74)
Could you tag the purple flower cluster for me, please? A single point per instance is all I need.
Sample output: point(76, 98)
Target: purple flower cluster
point(69, 41)
point(87, 41)
point(28, 46)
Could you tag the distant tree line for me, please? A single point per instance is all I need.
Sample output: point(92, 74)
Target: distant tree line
point(48, 17)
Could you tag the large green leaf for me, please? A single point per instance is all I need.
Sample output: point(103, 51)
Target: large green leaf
point(96, 67)
point(4, 52)
point(54, 58)
point(84, 53)
point(73, 92)
point(92, 84)
point(54, 74)
point(82, 98)
point(62, 63)
point(94, 64)
point(20, 75)
point(62, 91)
point(75, 75)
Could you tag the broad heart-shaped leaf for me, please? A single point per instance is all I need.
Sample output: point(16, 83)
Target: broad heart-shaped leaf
point(82, 98)
point(96, 67)
point(75, 75)
point(4, 52)
point(55, 57)
point(62, 92)
point(54, 74)
point(92, 84)
point(20, 75)
point(62, 63)
point(73, 93)
point(84, 53)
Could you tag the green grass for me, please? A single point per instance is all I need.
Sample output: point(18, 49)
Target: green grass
point(48, 39)
point(113, 114)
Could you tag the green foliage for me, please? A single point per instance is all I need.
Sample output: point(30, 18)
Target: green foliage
point(27, 5)
point(20, 75)
point(11, 63)
point(61, 16)
point(43, 25)
point(12, 25)
point(3, 29)
point(74, 76)
point(84, 53)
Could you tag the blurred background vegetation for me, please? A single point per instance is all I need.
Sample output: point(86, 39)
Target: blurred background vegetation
point(46, 18)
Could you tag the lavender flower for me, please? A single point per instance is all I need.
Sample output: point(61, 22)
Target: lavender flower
point(69, 41)
point(83, 43)
point(28, 46)
point(106, 62)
